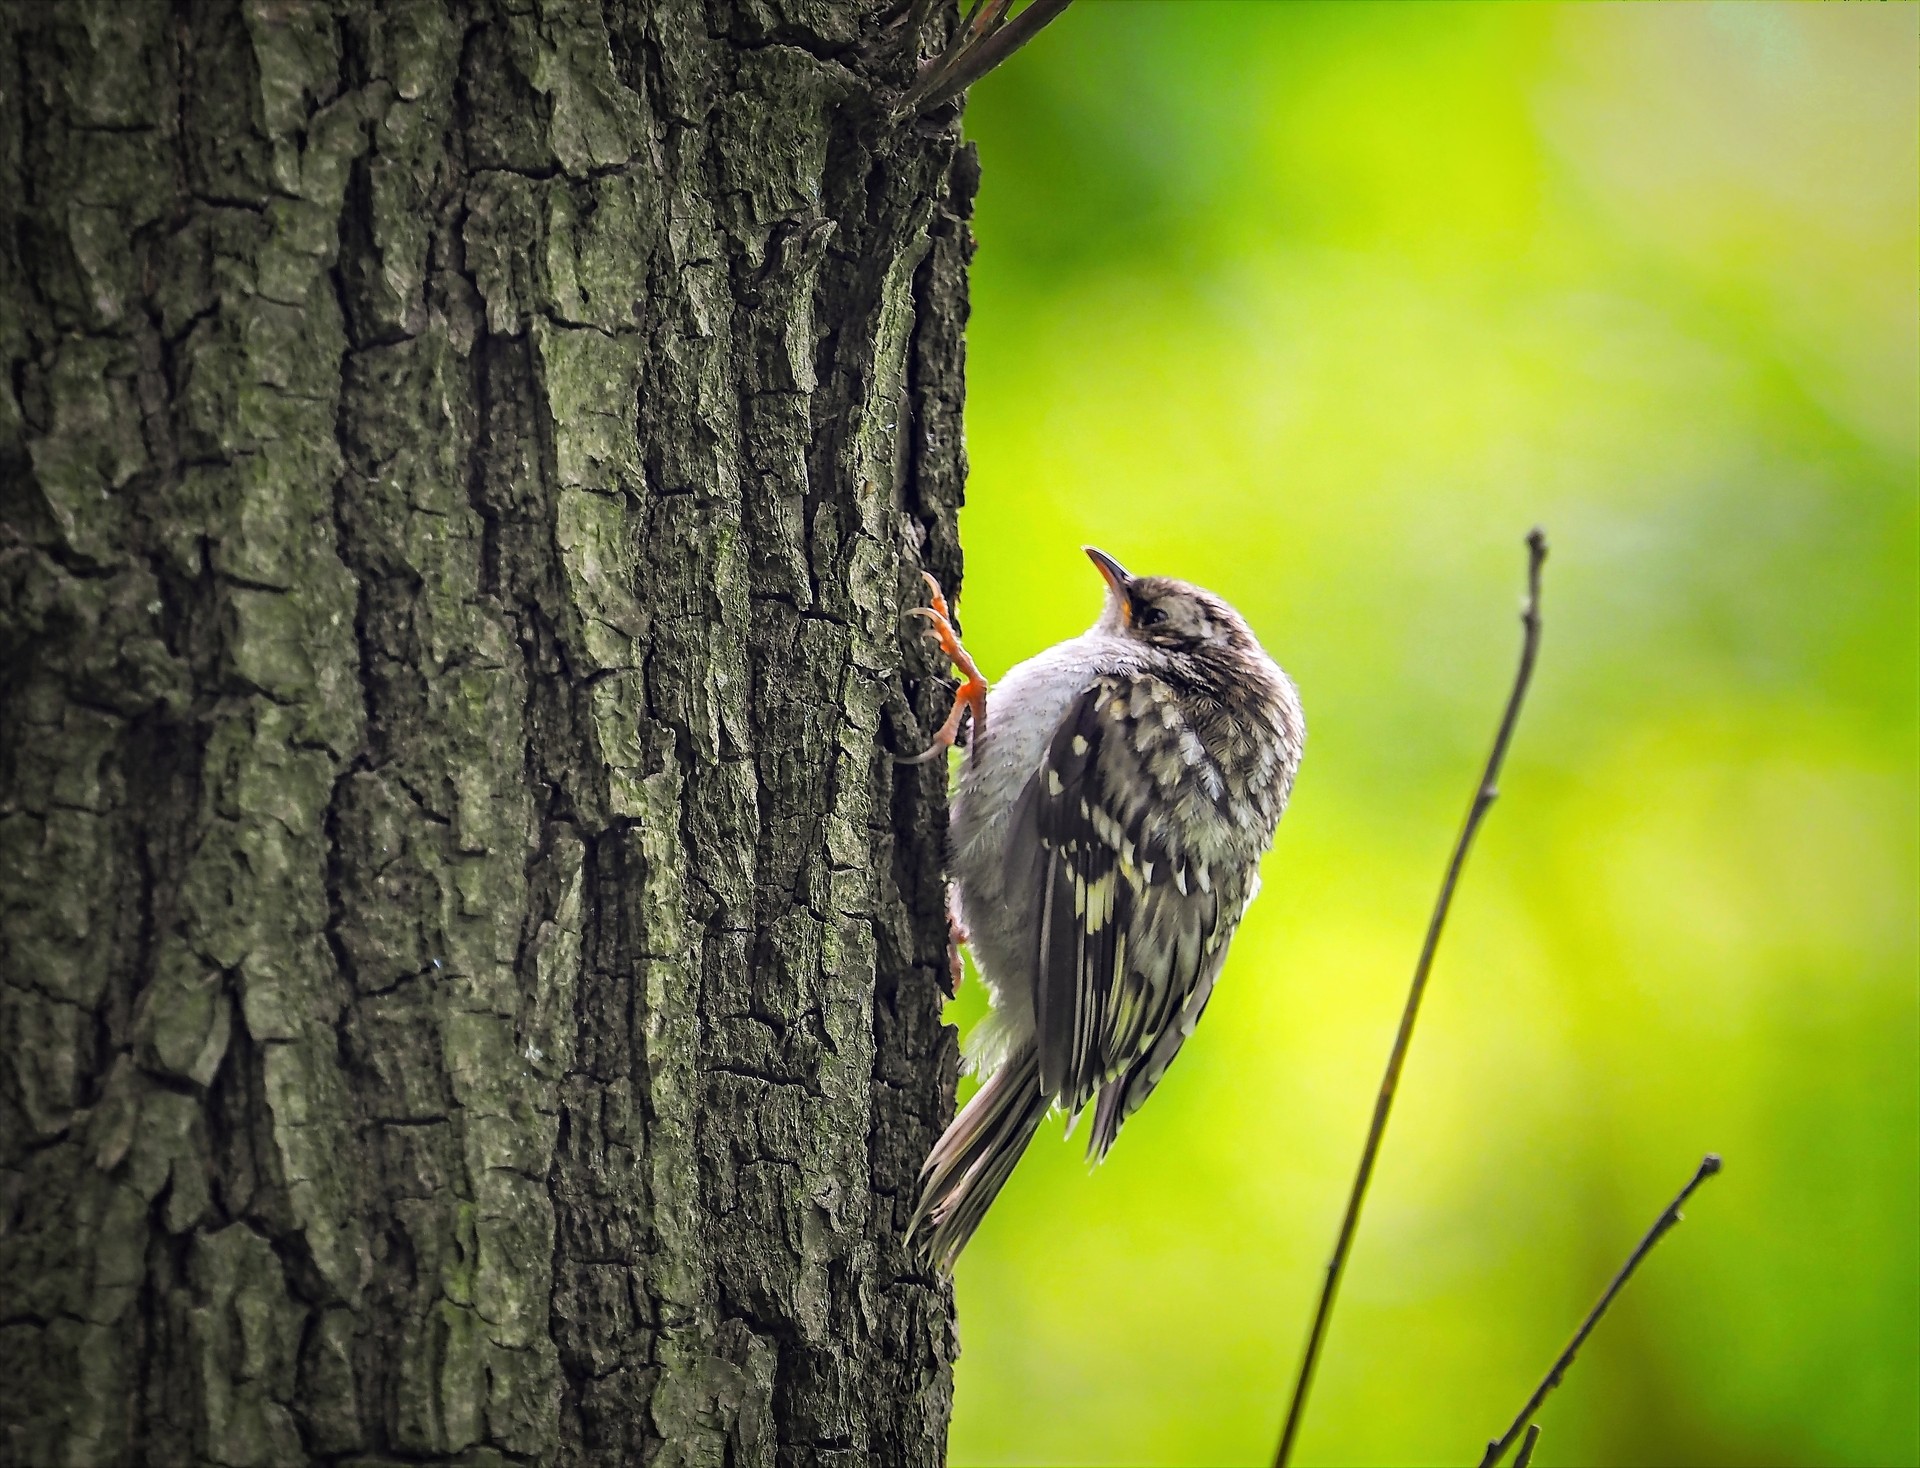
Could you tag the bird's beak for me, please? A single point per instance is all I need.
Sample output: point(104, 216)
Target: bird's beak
point(1115, 573)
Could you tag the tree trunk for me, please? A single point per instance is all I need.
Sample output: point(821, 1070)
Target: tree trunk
point(469, 974)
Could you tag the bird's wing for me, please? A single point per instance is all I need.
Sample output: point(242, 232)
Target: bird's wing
point(1124, 1094)
point(1127, 827)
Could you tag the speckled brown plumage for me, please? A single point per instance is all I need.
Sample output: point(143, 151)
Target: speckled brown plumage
point(1109, 821)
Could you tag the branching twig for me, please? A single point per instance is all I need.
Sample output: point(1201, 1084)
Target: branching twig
point(1525, 1455)
point(986, 39)
point(1709, 1165)
point(1483, 797)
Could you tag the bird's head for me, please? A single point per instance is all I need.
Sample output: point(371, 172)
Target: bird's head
point(1161, 612)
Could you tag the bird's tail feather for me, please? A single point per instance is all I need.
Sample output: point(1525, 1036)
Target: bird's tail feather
point(976, 1155)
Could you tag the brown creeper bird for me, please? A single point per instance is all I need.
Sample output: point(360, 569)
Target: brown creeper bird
point(1106, 836)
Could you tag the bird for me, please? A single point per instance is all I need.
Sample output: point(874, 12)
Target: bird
point(1108, 818)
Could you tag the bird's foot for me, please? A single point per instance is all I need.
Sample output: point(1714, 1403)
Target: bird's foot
point(956, 968)
point(970, 696)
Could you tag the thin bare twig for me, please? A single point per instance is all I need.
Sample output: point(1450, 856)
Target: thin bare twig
point(1525, 1455)
point(986, 39)
point(1709, 1165)
point(1484, 795)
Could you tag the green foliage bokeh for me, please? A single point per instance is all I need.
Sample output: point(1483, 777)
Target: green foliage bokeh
point(1322, 307)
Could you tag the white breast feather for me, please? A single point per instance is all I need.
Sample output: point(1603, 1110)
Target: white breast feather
point(1023, 709)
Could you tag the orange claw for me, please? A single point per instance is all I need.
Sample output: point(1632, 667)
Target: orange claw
point(971, 695)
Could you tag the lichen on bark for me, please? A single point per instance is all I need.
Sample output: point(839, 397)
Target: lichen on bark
point(469, 971)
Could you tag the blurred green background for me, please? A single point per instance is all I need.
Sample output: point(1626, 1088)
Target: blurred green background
point(1322, 307)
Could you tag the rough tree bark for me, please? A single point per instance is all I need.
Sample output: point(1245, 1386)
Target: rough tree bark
point(469, 975)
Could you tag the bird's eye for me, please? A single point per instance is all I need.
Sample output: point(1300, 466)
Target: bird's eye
point(1149, 616)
